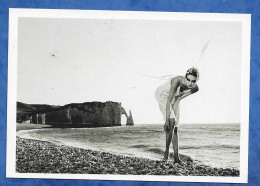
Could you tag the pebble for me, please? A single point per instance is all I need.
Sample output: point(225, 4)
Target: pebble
point(33, 156)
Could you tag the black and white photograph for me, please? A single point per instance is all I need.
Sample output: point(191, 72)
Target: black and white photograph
point(114, 95)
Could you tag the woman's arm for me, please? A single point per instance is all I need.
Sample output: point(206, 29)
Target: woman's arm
point(175, 82)
point(178, 98)
point(185, 94)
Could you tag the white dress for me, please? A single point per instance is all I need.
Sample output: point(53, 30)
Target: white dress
point(162, 94)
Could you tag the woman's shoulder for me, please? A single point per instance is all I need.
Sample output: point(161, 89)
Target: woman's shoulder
point(176, 80)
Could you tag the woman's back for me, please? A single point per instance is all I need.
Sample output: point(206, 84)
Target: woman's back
point(163, 90)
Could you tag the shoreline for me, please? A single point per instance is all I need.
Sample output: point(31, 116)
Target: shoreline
point(36, 156)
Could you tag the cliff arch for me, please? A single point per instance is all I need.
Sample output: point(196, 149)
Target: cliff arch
point(124, 116)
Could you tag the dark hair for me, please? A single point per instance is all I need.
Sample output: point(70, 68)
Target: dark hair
point(194, 72)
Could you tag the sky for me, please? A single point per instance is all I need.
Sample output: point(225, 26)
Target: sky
point(62, 61)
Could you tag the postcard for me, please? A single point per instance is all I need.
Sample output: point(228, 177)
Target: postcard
point(127, 95)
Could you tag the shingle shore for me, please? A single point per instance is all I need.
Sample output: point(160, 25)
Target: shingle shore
point(33, 156)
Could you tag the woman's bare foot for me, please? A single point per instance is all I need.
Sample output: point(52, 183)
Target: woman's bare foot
point(165, 160)
point(179, 161)
point(166, 155)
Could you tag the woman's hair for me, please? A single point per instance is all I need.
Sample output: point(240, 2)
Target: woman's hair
point(194, 72)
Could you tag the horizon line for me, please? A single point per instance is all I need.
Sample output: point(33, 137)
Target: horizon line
point(207, 123)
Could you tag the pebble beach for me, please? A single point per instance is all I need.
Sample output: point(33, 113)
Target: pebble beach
point(34, 156)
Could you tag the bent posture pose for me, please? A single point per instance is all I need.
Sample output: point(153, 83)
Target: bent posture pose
point(168, 96)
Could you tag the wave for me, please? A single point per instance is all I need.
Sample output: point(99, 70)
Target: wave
point(211, 147)
point(155, 150)
point(161, 152)
point(211, 131)
point(139, 146)
point(146, 148)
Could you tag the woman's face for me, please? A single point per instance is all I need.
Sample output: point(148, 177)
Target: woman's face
point(190, 81)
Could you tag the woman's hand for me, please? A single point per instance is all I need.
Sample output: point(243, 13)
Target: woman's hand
point(180, 94)
point(167, 125)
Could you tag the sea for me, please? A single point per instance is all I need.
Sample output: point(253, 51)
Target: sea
point(214, 145)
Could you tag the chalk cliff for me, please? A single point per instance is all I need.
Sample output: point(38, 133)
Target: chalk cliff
point(94, 114)
point(130, 120)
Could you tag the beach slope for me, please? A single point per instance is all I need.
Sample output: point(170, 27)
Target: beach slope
point(33, 156)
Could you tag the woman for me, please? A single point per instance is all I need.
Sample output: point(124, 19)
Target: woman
point(168, 96)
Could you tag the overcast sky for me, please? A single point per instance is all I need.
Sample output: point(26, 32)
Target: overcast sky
point(63, 61)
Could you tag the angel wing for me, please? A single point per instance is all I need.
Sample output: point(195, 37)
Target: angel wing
point(167, 77)
point(203, 51)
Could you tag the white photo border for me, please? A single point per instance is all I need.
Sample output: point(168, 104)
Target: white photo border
point(15, 14)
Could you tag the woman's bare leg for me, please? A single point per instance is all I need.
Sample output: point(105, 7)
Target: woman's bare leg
point(175, 139)
point(175, 144)
point(169, 134)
